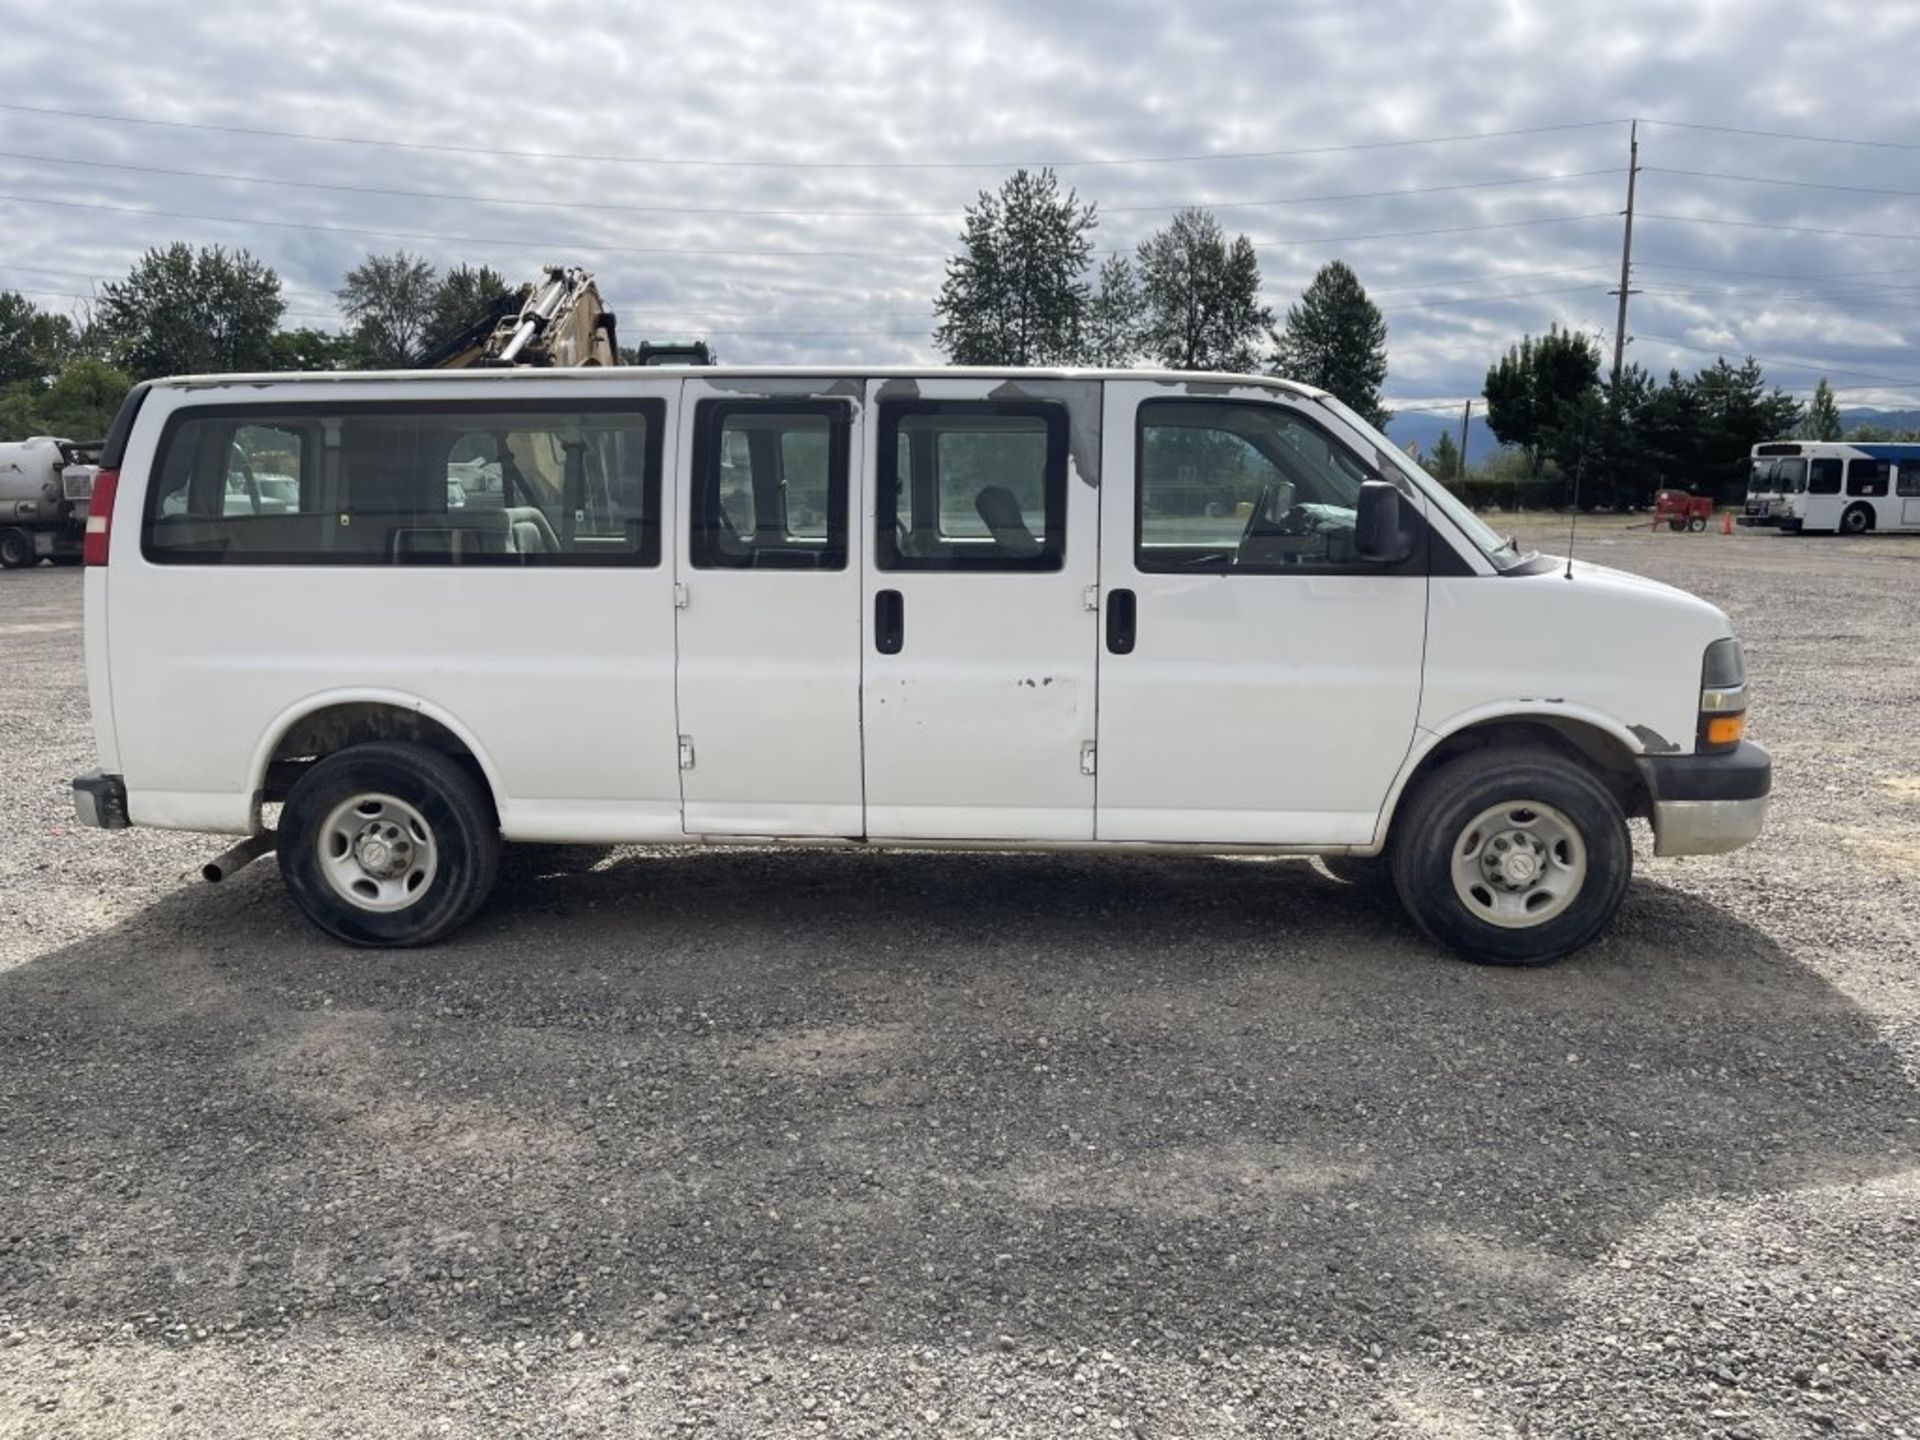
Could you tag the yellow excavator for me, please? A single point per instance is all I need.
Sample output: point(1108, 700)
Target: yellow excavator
point(559, 319)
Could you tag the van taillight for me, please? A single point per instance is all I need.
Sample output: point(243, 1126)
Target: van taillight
point(93, 550)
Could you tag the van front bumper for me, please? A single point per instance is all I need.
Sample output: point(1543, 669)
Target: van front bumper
point(100, 800)
point(1708, 804)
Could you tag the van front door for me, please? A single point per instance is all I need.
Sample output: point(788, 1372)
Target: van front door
point(1258, 682)
point(768, 672)
point(979, 643)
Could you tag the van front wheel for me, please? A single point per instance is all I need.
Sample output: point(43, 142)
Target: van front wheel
point(388, 845)
point(1512, 857)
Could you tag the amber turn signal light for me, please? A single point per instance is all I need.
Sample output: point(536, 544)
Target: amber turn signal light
point(1725, 729)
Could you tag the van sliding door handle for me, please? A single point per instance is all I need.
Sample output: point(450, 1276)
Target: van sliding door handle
point(889, 622)
point(1122, 614)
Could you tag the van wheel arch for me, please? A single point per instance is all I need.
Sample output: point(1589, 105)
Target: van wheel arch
point(1588, 745)
point(315, 736)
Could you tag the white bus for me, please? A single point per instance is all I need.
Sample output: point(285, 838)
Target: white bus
point(1834, 486)
point(935, 608)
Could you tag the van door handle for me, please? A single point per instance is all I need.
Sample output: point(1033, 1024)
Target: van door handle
point(1121, 616)
point(889, 622)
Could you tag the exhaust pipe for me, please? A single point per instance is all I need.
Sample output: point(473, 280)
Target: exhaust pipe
point(235, 858)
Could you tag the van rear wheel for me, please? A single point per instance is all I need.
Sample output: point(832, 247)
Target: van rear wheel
point(388, 845)
point(1512, 857)
point(16, 550)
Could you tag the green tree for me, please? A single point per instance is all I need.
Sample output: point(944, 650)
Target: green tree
point(1444, 462)
point(1112, 334)
point(1822, 420)
point(1540, 391)
point(82, 400)
point(465, 293)
point(1200, 296)
point(1335, 339)
point(388, 303)
point(183, 311)
point(1017, 292)
point(1738, 412)
point(310, 349)
point(34, 343)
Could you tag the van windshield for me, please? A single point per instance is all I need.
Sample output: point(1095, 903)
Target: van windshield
point(1503, 552)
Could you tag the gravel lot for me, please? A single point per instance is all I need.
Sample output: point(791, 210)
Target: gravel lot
point(765, 1144)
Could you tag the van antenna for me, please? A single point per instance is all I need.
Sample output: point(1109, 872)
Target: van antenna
point(1579, 465)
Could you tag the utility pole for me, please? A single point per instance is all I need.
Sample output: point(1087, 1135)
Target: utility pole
point(1466, 419)
point(1626, 261)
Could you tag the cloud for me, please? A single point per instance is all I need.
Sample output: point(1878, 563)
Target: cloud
point(872, 109)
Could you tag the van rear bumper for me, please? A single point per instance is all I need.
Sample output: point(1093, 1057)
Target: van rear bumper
point(1708, 804)
point(100, 800)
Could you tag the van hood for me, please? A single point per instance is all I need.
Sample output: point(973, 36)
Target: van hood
point(1625, 582)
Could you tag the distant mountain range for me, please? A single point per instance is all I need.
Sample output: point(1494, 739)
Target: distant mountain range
point(1426, 426)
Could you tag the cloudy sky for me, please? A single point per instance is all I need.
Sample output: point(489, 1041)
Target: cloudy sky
point(787, 177)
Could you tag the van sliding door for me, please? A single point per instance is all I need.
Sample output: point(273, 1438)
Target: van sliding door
point(768, 671)
point(979, 643)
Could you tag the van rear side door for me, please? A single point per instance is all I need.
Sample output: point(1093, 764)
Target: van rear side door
point(979, 640)
point(768, 668)
point(1258, 683)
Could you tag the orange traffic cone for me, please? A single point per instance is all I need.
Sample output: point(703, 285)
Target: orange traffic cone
point(1726, 522)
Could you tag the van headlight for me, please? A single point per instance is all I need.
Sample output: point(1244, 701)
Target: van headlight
point(1723, 696)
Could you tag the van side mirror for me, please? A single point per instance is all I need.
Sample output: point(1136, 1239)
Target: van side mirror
point(1377, 536)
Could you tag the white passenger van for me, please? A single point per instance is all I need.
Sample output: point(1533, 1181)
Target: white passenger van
point(1014, 609)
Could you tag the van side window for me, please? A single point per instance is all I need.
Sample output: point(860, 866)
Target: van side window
point(1824, 476)
point(1242, 488)
point(972, 485)
point(1868, 477)
point(770, 485)
point(1909, 484)
point(432, 483)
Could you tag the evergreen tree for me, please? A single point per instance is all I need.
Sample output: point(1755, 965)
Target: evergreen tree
point(1738, 412)
point(1539, 394)
point(1822, 420)
point(1112, 335)
point(182, 311)
point(1444, 462)
point(1336, 339)
point(1016, 294)
point(388, 303)
point(1200, 296)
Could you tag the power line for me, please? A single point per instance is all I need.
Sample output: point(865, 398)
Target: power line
point(608, 206)
point(1775, 180)
point(709, 163)
point(1771, 274)
point(728, 253)
point(1812, 367)
point(1787, 229)
point(1786, 135)
point(1440, 230)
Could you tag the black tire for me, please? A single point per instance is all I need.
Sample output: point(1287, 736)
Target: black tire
point(1437, 817)
point(464, 832)
point(16, 550)
point(1856, 521)
point(1697, 524)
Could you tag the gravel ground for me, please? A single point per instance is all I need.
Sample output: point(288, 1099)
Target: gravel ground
point(765, 1144)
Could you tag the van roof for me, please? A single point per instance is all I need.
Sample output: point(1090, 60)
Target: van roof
point(506, 375)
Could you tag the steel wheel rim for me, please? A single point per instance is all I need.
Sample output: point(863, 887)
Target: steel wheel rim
point(377, 852)
point(1519, 864)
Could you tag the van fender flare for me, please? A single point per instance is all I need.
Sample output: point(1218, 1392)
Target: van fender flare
point(364, 695)
point(1426, 741)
